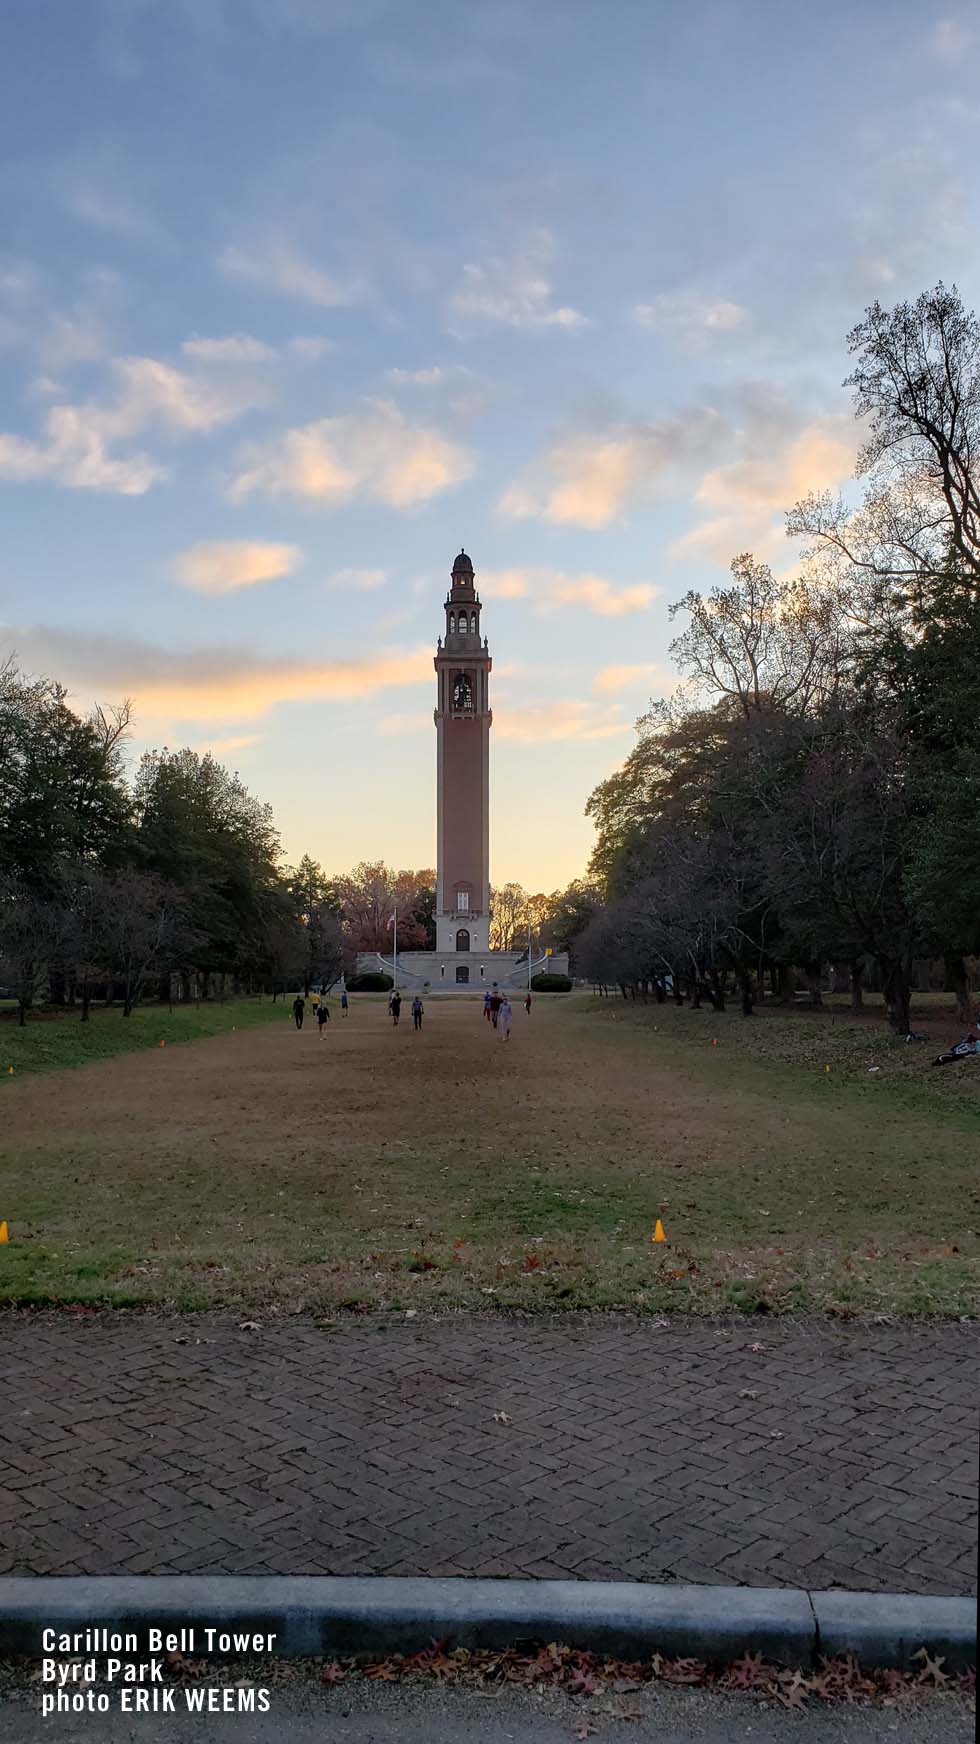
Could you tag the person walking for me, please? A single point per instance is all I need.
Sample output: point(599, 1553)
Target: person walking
point(322, 1016)
point(396, 1006)
point(315, 1002)
point(299, 1010)
point(486, 1005)
point(495, 1004)
point(505, 1017)
point(418, 1011)
point(527, 1005)
point(343, 1002)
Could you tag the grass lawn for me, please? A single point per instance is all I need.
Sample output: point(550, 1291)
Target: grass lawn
point(57, 1039)
point(376, 1168)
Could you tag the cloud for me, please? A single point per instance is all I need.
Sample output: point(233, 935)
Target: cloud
point(420, 378)
point(93, 194)
point(952, 41)
point(548, 722)
point(746, 499)
point(74, 448)
point(173, 689)
point(588, 479)
point(225, 565)
point(280, 267)
point(363, 579)
point(222, 747)
point(649, 676)
point(515, 291)
point(694, 321)
point(374, 453)
point(550, 589)
point(235, 348)
point(312, 346)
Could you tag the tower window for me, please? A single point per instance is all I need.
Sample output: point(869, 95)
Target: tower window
point(462, 693)
point(452, 623)
point(464, 624)
point(462, 901)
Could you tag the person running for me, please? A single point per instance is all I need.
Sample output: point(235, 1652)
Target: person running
point(396, 1007)
point(505, 1017)
point(495, 1003)
point(299, 1010)
point(343, 1002)
point(418, 1011)
point(315, 1002)
point(527, 1005)
point(322, 1016)
point(486, 1005)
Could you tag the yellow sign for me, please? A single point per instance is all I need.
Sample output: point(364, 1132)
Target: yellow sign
point(549, 952)
point(658, 1231)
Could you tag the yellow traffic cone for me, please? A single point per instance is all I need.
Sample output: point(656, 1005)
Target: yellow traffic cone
point(4, 1232)
point(658, 1231)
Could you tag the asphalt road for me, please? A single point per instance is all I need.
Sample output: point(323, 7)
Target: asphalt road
point(395, 1714)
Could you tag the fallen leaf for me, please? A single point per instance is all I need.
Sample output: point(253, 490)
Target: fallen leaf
point(332, 1673)
point(756, 1348)
point(931, 1668)
point(502, 1417)
point(249, 1326)
point(747, 1393)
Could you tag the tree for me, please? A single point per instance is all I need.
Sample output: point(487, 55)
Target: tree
point(509, 917)
point(32, 933)
point(143, 930)
point(369, 896)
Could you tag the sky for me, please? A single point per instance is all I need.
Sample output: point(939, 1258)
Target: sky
point(298, 297)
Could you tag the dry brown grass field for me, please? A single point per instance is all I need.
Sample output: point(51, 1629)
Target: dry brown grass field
point(379, 1168)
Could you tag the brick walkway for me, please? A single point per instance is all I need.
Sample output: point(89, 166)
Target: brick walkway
point(835, 1456)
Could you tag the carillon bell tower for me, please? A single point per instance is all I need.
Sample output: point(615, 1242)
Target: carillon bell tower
point(462, 717)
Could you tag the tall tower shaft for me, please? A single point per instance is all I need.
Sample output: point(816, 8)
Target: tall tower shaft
point(462, 718)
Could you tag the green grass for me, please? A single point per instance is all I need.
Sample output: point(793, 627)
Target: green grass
point(51, 1041)
point(380, 1171)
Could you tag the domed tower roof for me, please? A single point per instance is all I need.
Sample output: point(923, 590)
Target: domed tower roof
point(463, 567)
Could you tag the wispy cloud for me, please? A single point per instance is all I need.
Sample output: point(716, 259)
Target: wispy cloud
point(225, 565)
point(515, 290)
point(311, 346)
point(176, 689)
point(280, 266)
point(952, 41)
point(548, 722)
point(550, 589)
point(373, 453)
point(224, 747)
point(74, 449)
point(233, 348)
point(589, 478)
point(650, 676)
point(744, 501)
point(695, 322)
point(365, 580)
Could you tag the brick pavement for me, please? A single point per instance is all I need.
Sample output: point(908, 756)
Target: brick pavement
point(837, 1456)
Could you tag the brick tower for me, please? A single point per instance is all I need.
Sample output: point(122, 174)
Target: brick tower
point(462, 717)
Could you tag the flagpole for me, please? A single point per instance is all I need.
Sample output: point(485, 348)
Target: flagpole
point(529, 953)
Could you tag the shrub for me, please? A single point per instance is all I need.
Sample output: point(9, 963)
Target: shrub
point(551, 984)
point(372, 981)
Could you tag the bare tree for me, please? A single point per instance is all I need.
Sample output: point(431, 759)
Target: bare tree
point(32, 934)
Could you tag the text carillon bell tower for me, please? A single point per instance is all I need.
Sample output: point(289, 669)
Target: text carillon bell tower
point(462, 717)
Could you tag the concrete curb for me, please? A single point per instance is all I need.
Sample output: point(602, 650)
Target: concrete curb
point(313, 1615)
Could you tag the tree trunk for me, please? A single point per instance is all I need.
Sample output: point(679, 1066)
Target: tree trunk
point(748, 1004)
point(812, 973)
point(21, 1013)
point(785, 983)
point(957, 982)
point(86, 999)
point(185, 986)
point(898, 998)
point(857, 985)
